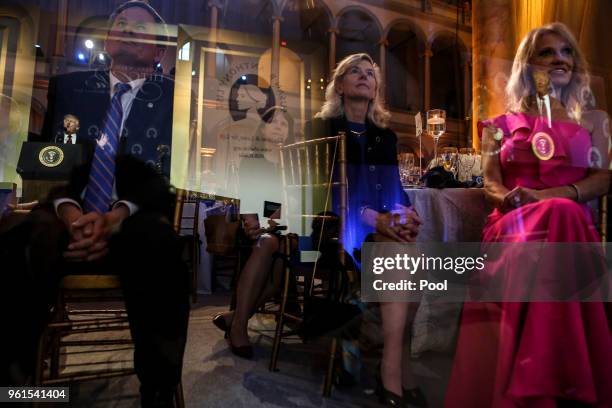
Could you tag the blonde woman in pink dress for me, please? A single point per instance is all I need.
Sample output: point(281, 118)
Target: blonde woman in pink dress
point(540, 354)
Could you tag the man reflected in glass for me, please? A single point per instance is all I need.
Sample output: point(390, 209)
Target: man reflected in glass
point(114, 215)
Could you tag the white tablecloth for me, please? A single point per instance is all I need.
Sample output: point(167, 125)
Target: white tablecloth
point(449, 215)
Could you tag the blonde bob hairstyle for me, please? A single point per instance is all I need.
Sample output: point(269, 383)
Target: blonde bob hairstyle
point(575, 96)
point(334, 106)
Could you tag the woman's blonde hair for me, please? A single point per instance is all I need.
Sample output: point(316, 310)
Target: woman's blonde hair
point(333, 106)
point(575, 96)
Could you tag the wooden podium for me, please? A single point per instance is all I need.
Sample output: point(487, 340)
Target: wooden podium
point(43, 166)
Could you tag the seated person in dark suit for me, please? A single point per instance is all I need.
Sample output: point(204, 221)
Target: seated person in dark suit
point(115, 215)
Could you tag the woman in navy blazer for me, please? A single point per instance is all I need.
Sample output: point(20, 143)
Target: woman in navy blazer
point(353, 105)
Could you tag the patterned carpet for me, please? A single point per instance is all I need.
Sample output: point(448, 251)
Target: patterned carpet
point(213, 377)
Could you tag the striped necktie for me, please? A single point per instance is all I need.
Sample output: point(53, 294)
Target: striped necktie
point(102, 174)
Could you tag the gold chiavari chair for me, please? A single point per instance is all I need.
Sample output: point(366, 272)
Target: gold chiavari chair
point(97, 326)
point(311, 170)
point(186, 224)
point(603, 218)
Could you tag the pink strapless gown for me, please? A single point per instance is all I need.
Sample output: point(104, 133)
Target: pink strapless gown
point(536, 354)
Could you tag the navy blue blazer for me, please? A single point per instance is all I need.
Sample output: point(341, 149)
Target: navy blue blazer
point(377, 155)
point(372, 174)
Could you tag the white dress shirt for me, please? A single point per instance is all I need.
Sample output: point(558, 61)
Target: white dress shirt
point(67, 137)
point(127, 100)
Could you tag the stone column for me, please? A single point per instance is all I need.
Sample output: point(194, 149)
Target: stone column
point(383, 44)
point(427, 55)
point(211, 57)
point(275, 65)
point(60, 33)
point(467, 62)
point(493, 47)
point(58, 58)
point(332, 48)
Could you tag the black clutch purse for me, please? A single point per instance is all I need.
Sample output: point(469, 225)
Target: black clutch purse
point(437, 177)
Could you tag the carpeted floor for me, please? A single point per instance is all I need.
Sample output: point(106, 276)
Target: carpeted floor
point(213, 377)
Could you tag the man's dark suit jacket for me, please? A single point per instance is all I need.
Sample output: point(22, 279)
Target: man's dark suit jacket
point(86, 95)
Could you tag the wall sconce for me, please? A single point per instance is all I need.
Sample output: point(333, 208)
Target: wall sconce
point(207, 154)
point(207, 151)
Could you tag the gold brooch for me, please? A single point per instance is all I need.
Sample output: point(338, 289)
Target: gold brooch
point(543, 146)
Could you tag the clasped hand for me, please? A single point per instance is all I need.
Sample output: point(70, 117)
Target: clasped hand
point(520, 196)
point(399, 226)
point(89, 233)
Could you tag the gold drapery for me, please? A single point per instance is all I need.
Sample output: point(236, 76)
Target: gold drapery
point(491, 32)
point(500, 25)
point(529, 14)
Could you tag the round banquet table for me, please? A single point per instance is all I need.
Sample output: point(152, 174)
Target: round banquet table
point(449, 215)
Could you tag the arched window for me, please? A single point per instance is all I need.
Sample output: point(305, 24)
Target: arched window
point(247, 16)
point(448, 76)
point(306, 28)
point(358, 32)
point(405, 67)
point(308, 22)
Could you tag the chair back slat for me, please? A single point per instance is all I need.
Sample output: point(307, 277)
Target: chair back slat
point(178, 209)
point(327, 161)
point(317, 164)
point(310, 170)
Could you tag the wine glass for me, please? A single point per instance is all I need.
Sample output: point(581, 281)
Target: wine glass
point(467, 159)
point(410, 160)
point(436, 126)
point(406, 164)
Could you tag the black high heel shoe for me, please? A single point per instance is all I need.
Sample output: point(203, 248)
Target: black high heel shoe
point(240, 351)
point(411, 398)
point(386, 397)
point(414, 397)
point(221, 324)
point(389, 399)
